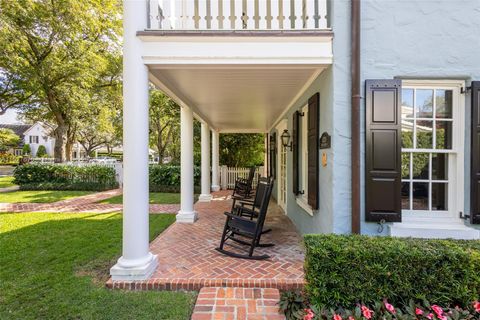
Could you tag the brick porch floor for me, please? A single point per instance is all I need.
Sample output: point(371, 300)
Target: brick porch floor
point(188, 261)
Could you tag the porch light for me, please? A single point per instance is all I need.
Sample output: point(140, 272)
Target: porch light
point(286, 139)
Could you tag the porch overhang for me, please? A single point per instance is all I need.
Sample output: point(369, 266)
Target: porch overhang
point(236, 84)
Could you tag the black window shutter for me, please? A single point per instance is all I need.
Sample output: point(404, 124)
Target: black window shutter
point(295, 153)
point(273, 155)
point(383, 150)
point(475, 158)
point(313, 154)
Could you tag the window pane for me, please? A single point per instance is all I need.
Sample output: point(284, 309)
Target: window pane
point(406, 195)
point(407, 103)
point(424, 134)
point(407, 133)
point(405, 165)
point(439, 166)
point(439, 196)
point(420, 196)
point(420, 166)
point(443, 99)
point(444, 134)
point(424, 103)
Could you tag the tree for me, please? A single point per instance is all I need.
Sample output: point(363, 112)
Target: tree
point(8, 139)
point(164, 125)
point(54, 52)
point(26, 150)
point(41, 151)
point(242, 149)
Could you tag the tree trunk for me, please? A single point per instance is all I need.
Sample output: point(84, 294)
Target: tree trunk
point(58, 149)
point(68, 150)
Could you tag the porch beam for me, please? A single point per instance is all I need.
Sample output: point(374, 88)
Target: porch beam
point(136, 262)
point(205, 195)
point(186, 213)
point(215, 160)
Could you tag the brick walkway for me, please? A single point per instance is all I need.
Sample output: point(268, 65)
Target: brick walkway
point(237, 304)
point(188, 261)
point(83, 204)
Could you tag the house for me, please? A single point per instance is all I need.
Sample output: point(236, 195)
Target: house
point(34, 135)
point(372, 109)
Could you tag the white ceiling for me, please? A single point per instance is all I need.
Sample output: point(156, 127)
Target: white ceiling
point(236, 99)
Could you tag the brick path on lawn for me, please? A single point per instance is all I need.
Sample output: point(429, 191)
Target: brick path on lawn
point(188, 259)
point(83, 204)
point(215, 303)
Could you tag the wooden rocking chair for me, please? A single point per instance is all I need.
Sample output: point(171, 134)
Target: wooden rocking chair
point(248, 231)
point(243, 187)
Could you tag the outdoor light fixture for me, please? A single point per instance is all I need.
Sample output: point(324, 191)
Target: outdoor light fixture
point(286, 139)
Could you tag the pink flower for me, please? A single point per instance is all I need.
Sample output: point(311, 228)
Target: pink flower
point(438, 310)
point(337, 317)
point(430, 316)
point(309, 315)
point(367, 313)
point(389, 307)
point(351, 318)
point(418, 311)
point(442, 317)
point(476, 306)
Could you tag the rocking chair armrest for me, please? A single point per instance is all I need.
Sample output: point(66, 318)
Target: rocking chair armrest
point(231, 215)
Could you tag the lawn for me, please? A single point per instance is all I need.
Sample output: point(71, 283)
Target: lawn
point(155, 198)
point(6, 181)
point(54, 266)
point(40, 196)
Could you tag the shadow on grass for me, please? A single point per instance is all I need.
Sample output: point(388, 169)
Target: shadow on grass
point(53, 266)
point(40, 196)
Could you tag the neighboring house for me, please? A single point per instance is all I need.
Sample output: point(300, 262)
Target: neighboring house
point(399, 155)
point(33, 135)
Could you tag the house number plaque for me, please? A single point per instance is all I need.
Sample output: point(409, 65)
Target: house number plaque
point(325, 141)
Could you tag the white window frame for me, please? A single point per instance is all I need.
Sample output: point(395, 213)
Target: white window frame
point(282, 173)
point(456, 160)
point(34, 139)
point(302, 199)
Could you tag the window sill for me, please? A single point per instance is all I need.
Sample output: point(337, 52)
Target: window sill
point(304, 205)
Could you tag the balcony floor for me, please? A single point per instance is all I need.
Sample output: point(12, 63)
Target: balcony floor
point(188, 259)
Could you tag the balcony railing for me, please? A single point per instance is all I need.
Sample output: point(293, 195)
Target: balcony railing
point(237, 14)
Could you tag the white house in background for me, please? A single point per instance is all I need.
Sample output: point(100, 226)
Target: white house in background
point(34, 135)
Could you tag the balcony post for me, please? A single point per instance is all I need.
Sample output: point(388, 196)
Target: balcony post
point(205, 174)
point(215, 160)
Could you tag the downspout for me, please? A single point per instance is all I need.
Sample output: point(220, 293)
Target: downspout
point(355, 114)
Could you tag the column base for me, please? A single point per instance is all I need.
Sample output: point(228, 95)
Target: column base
point(205, 197)
point(186, 217)
point(215, 187)
point(128, 270)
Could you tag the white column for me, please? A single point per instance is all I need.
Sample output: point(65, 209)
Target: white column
point(186, 213)
point(205, 174)
point(215, 160)
point(136, 262)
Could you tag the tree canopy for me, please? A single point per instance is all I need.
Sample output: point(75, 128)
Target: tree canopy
point(241, 149)
point(8, 139)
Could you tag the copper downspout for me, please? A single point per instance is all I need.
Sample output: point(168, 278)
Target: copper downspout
point(355, 114)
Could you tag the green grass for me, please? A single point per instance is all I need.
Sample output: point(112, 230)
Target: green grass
point(155, 198)
point(6, 182)
point(54, 265)
point(40, 196)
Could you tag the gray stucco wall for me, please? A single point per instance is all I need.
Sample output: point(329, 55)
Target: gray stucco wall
point(437, 39)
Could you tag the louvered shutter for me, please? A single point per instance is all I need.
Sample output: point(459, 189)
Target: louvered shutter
point(383, 150)
point(475, 156)
point(313, 154)
point(295, 178)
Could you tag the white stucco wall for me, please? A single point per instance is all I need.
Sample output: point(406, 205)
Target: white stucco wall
point(43, 139)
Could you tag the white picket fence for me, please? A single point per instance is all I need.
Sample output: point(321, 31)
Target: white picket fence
point(228, 176)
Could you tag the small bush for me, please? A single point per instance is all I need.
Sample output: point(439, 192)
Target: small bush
point(166, 178)
point(26, 150)
point(7, 158)
point(64, 177)
point(41, 152)
point(346, 270)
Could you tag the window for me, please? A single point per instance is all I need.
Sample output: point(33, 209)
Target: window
point(33, 139)
point(432, 148)
point(18, 152)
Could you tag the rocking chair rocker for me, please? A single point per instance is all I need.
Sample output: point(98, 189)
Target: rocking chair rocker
point(250, 229)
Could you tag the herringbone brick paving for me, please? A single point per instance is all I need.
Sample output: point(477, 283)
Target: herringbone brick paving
point(188, 261)
point(237, 304)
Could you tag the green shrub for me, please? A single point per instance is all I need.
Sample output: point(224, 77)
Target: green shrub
point(166, 178)
point(7, 158)
point(41, 151)
point(345, 270)
point(26, 150)
point(64, 177)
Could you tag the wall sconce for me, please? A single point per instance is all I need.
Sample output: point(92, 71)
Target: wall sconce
point(286, 139)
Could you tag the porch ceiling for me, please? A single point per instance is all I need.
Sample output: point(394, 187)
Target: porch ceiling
point(236, 99)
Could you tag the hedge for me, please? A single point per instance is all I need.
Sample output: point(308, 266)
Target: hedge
point(346, 270)
point(166, 178)
point(65, 177)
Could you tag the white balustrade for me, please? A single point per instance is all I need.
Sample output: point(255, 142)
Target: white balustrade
point(237, 14)
point(228, 176)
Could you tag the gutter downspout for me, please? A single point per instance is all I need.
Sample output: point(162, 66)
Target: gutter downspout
point(355, 114)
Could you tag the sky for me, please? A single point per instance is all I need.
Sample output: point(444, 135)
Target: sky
point(10, 117)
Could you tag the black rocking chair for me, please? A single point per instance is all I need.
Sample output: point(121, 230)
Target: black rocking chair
point(243, 187)
point(248, 231)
